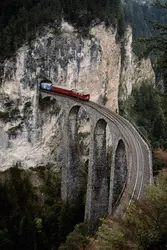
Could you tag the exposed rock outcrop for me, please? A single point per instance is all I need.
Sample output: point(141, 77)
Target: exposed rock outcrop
point(32, 134)
point(134, 72)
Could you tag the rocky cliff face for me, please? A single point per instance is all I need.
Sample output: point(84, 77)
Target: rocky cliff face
point(134, 72)
point(31, 135)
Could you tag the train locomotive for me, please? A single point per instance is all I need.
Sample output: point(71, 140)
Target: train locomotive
point(48, 86)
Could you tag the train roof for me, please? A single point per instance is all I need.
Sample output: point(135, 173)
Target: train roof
point(45, 81)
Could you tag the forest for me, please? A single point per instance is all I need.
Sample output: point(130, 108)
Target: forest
point(137, 14)
point(35, 217)
point(20, 19)
point(144, 224)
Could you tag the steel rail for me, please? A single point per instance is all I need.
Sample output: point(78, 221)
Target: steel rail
point(138, 175)
point(138, 183)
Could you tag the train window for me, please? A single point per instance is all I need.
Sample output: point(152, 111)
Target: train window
point(45, 85)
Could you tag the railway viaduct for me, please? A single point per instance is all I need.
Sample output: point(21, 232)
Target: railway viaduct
point(130, 167)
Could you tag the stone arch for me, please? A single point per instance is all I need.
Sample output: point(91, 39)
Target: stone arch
point(120, 171)
point(100, 140)
point(84, 129)
point(73, 131)
point(74, 182)
point(76, 173)
point(100, 187)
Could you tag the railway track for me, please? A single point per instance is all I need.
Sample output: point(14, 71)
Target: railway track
point(140, 171)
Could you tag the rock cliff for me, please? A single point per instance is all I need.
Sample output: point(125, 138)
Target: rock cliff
point(134, 71)
point(31, 135)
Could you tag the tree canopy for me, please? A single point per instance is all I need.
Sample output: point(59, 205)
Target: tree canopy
point(142, 228)
point(136, 14)
point(155, 45)
point(19, 19)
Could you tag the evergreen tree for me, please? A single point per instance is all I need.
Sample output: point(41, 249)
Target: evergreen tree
point(19, 19)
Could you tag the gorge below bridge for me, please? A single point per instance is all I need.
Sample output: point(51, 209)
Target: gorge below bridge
point(117, 173)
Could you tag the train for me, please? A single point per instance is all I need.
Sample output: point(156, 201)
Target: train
point(48, 86)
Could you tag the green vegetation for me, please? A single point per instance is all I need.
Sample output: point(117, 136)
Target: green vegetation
point(142, 228)
point(20, 19)
point(150, 31)
point(147, 108)
point(78, 239)
point(135, 11)
point(151, 34)
point(144, 224)
point(34, 217)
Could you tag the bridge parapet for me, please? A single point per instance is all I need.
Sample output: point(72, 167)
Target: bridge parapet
point(116, 159)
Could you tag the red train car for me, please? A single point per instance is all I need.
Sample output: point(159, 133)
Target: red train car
point(47, 85)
